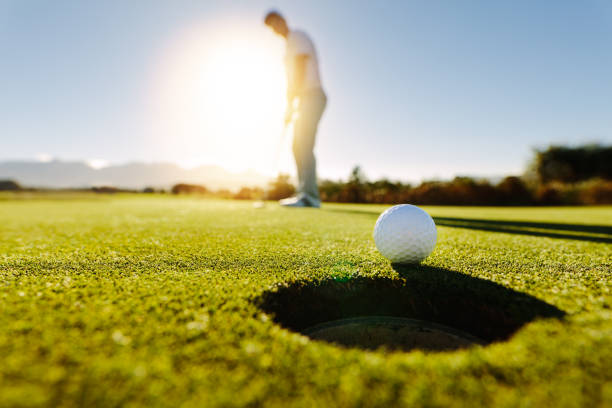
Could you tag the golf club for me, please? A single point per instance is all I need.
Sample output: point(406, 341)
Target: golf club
point(276, 160)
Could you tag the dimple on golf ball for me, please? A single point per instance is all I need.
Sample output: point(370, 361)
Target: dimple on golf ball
point(405, 234)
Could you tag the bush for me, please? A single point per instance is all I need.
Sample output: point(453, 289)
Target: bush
point(280, 188)
point(548, 194)
point(329, 190)
point(513, 191)
point(595, 192)
point(105, 190)
point(9, 185)
point(558, 176)
point(247, 193)
point(183, 188)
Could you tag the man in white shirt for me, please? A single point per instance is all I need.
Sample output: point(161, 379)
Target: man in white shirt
point(306, 101)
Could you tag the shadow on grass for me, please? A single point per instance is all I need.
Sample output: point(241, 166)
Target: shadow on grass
point(536, 229)
point(480, 308)
point(373, 213)
point(591, 233)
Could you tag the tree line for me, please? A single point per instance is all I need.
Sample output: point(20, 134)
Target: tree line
point(558, 175)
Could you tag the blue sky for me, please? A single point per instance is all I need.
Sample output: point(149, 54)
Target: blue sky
point(417, 89)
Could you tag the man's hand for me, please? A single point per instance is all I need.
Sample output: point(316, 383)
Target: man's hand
point(289, 115)
point(291, 100)
point(291, 95)
point(296, 86)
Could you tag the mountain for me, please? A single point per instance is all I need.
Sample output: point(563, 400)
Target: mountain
point(65, 174)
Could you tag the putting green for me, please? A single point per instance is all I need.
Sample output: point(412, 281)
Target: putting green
point(166, 301)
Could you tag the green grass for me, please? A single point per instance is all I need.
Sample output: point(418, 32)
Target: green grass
point(156, 301)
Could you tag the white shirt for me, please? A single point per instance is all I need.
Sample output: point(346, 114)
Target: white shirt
point(298, 43)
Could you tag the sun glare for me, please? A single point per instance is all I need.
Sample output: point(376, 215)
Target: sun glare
point(221, 97)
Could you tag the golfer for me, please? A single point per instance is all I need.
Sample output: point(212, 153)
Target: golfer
point(306, 102)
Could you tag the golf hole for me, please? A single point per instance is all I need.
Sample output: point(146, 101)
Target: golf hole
point(428, 309)
point(372, 332)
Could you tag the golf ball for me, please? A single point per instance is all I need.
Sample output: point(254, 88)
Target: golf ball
point(405, 234)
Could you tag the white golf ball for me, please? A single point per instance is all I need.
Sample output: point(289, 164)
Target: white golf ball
point(405, 234)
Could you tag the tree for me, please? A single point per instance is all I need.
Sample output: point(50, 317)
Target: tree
point(9, 185)
point(513, 191)
point(355, 191)
point(573, 164)
point(280, 188)
point(183, 188)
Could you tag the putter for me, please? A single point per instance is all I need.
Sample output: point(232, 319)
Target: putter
point(279, 148)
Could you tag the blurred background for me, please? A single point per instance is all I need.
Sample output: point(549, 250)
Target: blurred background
point(429, 102)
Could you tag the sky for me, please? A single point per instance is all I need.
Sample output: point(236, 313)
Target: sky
point(417, 89)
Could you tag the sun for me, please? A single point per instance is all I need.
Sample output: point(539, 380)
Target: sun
point(221, 97)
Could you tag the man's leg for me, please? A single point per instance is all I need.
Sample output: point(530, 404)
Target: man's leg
point(311, 109)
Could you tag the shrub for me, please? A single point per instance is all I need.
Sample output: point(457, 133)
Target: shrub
point(595, 191)
point(105, 190)
point(513, 191)
point(280, 188)
point(183, 188)
point(247, 193)
point(9, 185)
